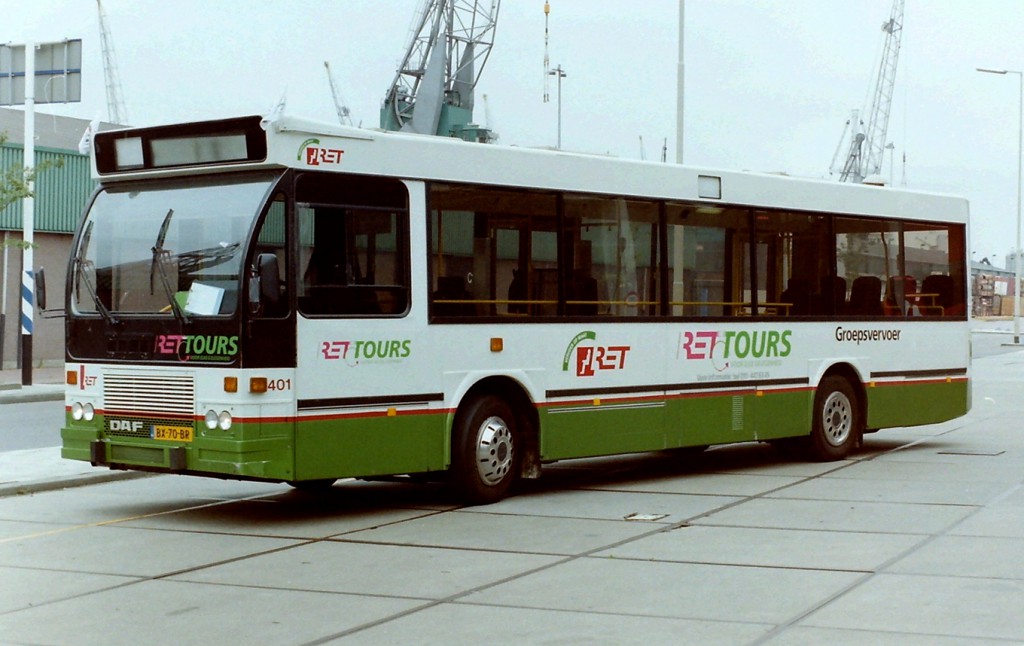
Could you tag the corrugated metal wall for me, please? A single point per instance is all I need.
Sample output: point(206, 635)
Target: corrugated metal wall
point(61, 193)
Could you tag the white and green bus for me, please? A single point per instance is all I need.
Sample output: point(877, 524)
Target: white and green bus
point(301, 302)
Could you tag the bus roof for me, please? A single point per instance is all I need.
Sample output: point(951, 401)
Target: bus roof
point(289, 142)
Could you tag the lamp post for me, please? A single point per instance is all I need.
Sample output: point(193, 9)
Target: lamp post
point(680, 85)
point(559, 73)
point(1020, 157)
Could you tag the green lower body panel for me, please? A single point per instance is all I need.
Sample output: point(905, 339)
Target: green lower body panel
point(608, 428)
point(601, 429)
point(369, 446)
point(783, 414)
point(917, 403)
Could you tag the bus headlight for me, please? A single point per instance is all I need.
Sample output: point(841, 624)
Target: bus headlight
point(221, 421)
point(80, 411)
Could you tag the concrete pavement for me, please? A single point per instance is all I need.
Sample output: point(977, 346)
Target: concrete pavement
point(32, 470)
point(47, 385)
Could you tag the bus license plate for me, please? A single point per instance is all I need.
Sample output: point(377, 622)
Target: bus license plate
point(172, 433)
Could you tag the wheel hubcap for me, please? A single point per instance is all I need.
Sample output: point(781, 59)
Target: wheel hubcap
point(494, 450)
point(837, 419)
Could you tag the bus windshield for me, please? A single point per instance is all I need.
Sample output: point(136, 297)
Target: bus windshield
point(167, 249)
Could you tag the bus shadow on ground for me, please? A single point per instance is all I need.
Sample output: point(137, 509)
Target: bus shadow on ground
point(355, 498)
point(659, 465)
point(605, 471)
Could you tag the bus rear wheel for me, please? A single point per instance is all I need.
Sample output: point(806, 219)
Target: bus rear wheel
point(485, 455)
point(837, 425)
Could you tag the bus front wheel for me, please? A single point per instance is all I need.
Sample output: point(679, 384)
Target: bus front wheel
point(485, 451)
point(837, 424)
point(312, 485)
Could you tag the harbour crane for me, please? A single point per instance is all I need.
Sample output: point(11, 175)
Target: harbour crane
point(344, 114)
point(867, 143)
point(116, 110)
point(432, 92)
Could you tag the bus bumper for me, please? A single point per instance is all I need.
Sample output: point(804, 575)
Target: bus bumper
point(265, 459)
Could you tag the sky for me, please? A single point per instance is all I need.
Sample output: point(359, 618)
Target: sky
point(769, 84)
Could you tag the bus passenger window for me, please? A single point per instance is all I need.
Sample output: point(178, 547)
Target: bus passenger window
point(708, 260)
point(493, 252)
point(934, 257)
point(614, 254)
point(353, 246)
point(793, 256)
point(868, 254)
point(911, 269)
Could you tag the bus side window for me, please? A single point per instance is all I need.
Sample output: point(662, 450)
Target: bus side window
point(493, 252)
point(614, 256)
point(934, 254)
point(708, 254)
point(869, 253)
point(353, 246)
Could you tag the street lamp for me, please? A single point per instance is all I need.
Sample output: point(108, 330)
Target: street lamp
point(560, 74)
point(1020, 157)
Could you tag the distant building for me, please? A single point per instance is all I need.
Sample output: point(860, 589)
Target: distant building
point(991, 289)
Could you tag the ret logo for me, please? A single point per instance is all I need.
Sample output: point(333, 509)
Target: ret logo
point(587, 359)
point(315, 154)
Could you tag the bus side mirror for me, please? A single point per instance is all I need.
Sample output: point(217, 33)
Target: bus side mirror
point(264, 282)
point(40, 278)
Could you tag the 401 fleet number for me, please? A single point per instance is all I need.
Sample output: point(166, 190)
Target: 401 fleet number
point(279, 384)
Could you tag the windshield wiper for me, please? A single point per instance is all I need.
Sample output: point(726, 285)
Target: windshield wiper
point(80, 270)
point(159, 257)
point(193, 262)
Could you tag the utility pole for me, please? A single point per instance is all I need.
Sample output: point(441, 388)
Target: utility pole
point(680, 84)
point(560, 73)
point(28, 283)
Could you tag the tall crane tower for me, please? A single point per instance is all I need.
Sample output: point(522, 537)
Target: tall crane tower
point(116, 110)
point(867, 144)
point(433, 88)
point(344, 114)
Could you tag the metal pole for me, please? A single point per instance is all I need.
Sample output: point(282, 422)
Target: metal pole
point(680, 85)
point(3, 300)
point(560, 73)
point(28, 218)
point(1020, 164)
point(1017, 254)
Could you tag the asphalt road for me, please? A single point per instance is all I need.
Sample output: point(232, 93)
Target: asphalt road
point(991, 338)
point(30, 425)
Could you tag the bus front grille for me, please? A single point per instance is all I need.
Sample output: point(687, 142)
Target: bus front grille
point(166, 396)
